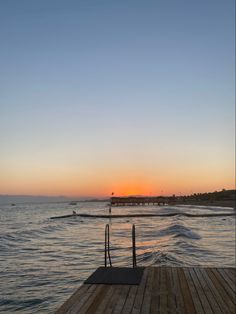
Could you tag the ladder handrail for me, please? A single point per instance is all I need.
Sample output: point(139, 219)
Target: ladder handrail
point(107, 245)
point(133, 246)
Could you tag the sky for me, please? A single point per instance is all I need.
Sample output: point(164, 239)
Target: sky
point(130, 97)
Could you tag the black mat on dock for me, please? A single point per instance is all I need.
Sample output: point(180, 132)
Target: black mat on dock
point(116, 276)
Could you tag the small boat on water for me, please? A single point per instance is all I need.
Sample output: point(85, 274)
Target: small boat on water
point(13, 204)
point(73, 203)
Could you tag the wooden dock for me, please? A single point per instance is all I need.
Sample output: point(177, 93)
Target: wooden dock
point(161, 290)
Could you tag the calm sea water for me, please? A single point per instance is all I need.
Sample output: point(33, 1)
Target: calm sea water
point(43, 261)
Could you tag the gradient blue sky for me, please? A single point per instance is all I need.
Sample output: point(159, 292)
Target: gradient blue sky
point(130, 96)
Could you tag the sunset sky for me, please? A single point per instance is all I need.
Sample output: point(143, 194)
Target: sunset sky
point(128, 96)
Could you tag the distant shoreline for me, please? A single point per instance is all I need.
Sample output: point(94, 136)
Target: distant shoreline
point(221, 203)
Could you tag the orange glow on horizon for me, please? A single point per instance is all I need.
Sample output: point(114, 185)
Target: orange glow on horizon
point(132, 188)
point(56, 182)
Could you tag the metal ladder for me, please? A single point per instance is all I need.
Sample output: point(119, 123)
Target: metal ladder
point(107, 246)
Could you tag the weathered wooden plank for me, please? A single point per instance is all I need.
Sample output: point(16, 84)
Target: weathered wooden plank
point(171, 297)
point(81, 300)
point(193, 291)
point(213, 293)
point(114, 299)
point(220, 286)
point(228, 276)
point(163, 292)
point(155, 294)
point(103, 305)
point(130, 300)
point(177, 291)
point(223, 308)
point(210, 297)
point(145, 308)
point(121, 301)
point(229, 286)
point(203, 299)
point(95, 299)
point(140, 293)
point(75, 296)
point(233, 271)
point(188, 302)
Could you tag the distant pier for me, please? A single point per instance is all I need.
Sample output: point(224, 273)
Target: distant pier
point(140, 200)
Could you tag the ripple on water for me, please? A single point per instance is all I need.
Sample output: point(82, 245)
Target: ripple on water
point(178, 230)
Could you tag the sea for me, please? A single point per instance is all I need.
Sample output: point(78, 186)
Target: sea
point(43, 261)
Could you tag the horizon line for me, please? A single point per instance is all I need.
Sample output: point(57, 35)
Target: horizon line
point(107, 196)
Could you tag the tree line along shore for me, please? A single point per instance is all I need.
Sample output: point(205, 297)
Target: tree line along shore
point(223, 198)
